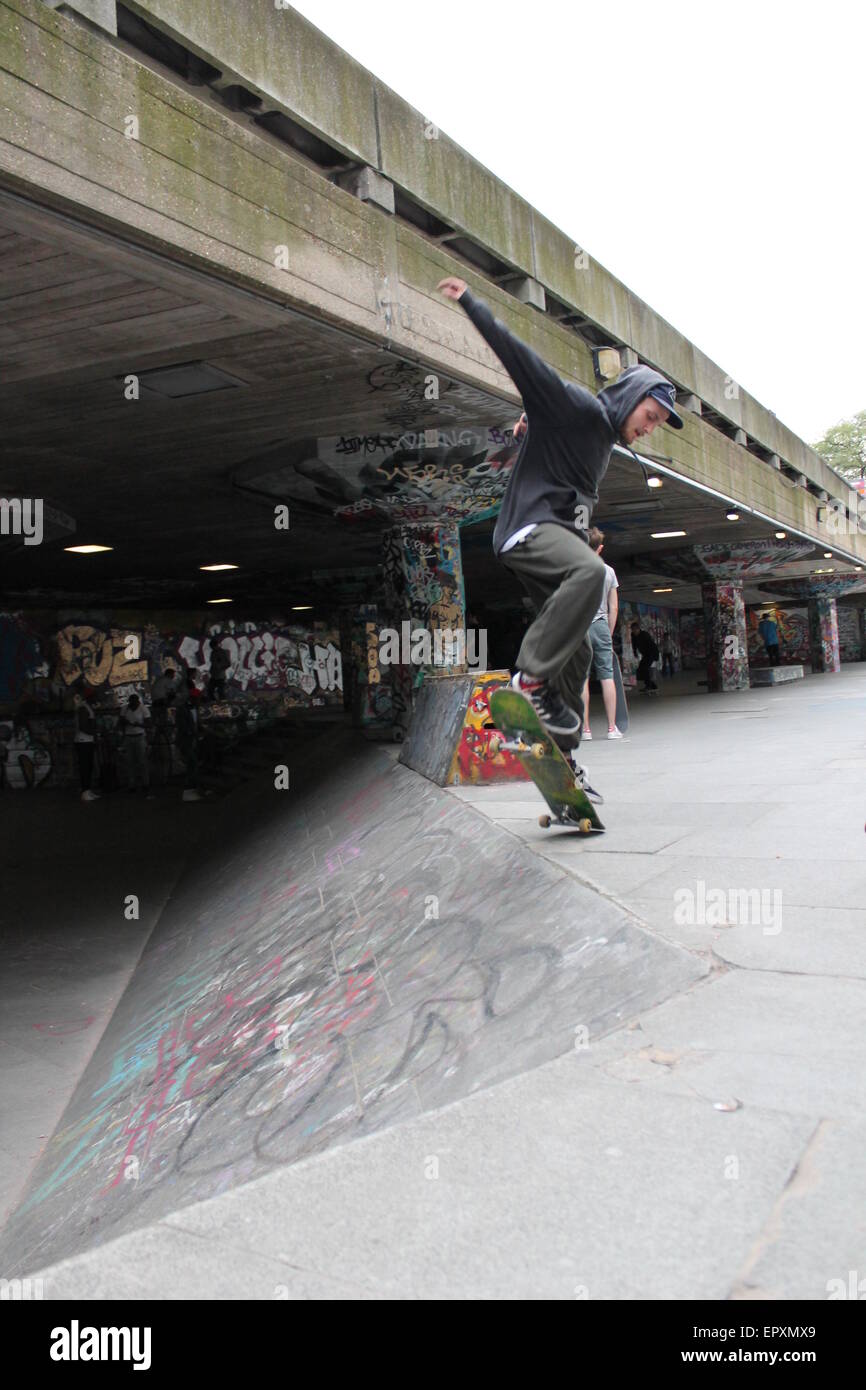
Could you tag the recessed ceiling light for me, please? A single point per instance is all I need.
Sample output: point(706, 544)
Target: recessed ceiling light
point(828, 555)
point(87, 549)
point(655, 481)
point(217, 567)
point(665, 535)
point(732, 516)
point(220, 600)
point(781, 535)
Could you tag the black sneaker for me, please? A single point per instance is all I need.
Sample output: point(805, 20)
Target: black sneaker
point(554, 713)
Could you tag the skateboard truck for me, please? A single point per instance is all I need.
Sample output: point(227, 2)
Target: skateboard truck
point(498, 744)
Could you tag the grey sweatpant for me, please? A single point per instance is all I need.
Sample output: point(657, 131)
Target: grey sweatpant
point(565, 580)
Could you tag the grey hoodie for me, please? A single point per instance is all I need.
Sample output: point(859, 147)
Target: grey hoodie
point(567, 447)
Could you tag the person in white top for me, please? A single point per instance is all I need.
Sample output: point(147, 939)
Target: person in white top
point(601, 638)
point(135, 742)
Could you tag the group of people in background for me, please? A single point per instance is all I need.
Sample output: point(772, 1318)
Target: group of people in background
point(181, 692)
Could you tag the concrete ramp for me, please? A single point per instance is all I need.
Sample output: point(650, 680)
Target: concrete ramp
point(346, 954)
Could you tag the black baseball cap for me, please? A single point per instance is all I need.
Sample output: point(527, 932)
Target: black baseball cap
point(665, 394)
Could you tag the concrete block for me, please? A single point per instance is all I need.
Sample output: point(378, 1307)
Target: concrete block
point(528, 291)
point(368, 185)
point(775, 675)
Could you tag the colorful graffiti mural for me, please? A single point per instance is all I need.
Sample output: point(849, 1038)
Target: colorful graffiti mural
point(824, 634)
point(473, 760)
point(792, 625)
point(663, 625)
point(389, 477)
point(22, 656)
point(727, 645)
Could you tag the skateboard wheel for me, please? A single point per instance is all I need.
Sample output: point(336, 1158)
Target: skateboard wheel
point(584, 826)
point(537, 750)
point(544, 822)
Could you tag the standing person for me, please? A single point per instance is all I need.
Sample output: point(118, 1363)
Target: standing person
point(220, 661)
point(162, 695)
point(85, 745)
point(186, 723)
point(644, 644)
point(133, 720)
point(601, 640)
point(770, 633)
point(543, 523)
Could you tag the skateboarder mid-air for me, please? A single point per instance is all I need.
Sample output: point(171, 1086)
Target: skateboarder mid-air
point(542, 529)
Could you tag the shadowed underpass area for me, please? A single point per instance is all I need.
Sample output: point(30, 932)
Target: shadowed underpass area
point(340, 958)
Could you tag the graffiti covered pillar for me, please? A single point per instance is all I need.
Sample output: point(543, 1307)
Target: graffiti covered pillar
point(427, 609)
point(727, 647)
point(824, 634)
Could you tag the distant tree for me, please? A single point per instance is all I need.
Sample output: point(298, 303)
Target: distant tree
point(844, 447)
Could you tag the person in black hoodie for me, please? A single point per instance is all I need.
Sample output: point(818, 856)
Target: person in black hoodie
point(541, 531)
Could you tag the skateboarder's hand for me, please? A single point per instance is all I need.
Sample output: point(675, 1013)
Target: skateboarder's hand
point(521, 427)
point(451, 287)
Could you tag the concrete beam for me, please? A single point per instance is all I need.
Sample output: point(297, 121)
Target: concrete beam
point(101, 14)
point(775, 462)
point(692, 403)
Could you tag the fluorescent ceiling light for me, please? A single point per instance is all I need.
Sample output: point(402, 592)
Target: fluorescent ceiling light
point(665, 535)
point(87, 549)
point(301, 607)
point(663, 591)
point(655, 481)
point(217, 567)
point(220, 600)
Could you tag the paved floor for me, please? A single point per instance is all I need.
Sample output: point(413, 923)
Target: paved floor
point(713, 1148)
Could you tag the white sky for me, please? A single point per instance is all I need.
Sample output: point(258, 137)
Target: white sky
point(710, 155)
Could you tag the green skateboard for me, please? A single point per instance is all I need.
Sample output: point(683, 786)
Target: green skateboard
point(526, 737)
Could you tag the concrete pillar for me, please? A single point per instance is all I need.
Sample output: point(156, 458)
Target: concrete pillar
point(861, 619)
point(727, 645)
point(824, 634)
point(426, 604)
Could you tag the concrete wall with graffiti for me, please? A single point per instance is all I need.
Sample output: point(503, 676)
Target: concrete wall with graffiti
point(663, 625)
point(792, 625)
point(272, 668)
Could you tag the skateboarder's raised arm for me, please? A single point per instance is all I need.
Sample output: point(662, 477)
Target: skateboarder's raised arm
point(541, 388)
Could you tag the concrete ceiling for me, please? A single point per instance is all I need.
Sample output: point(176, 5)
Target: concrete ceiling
point(173, 482)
